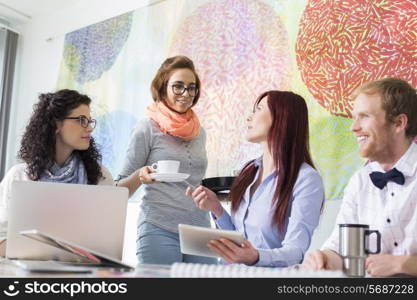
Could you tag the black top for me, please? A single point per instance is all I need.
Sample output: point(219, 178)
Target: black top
point(218, 184)
point(354, 225)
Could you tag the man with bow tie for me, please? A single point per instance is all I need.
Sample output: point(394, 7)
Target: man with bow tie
point(382, 194)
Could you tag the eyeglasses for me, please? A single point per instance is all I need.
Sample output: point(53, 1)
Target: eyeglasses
point(179, 89)
point(84, 121)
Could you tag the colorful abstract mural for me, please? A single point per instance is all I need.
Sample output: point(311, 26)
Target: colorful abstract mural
point(91, 51)
point(240, 53)
point(342, 44)
point(320, 49)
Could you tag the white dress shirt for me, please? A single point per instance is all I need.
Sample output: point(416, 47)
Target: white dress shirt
point(391, 210)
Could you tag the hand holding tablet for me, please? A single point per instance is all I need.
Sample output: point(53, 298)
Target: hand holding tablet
point(194, 239)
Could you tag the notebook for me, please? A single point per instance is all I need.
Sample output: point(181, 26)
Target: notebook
point(194, 239)
point(193, 270)
point(93, 216)
point(95, 258)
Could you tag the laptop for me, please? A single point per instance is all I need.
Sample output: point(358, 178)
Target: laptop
point(88, 215)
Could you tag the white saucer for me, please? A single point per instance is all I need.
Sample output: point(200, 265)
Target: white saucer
point(169, 177)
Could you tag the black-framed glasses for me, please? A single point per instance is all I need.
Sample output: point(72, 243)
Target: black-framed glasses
point(84, 121)
point(179, 89)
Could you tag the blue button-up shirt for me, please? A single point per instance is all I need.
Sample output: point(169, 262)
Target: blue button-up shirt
point(254, 218)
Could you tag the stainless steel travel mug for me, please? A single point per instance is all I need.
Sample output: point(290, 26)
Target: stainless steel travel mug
point(354, 247)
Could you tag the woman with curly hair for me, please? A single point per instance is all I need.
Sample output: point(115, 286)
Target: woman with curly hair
point(56, 147)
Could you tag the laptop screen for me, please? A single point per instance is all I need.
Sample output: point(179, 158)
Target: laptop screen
point(88, 215)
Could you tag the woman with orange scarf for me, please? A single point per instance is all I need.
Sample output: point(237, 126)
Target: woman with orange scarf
point(171, 131)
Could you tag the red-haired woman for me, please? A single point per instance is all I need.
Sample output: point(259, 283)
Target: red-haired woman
point(277, 198)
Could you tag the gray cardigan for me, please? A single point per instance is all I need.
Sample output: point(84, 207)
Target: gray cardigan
point(165, 204)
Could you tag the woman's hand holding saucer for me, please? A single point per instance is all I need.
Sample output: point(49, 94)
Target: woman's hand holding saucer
point(144, 177)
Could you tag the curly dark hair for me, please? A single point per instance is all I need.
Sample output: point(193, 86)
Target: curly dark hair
point(37, 148)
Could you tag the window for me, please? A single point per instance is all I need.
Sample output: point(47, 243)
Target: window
point(8, 44)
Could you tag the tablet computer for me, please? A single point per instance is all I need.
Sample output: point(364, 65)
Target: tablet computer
point(2, 247)
point(194, 239)
point(93, 257)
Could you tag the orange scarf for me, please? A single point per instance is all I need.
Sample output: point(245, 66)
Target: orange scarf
point(186, 126)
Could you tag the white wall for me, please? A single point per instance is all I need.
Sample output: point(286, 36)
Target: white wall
point(326, 224)
point(40, 52)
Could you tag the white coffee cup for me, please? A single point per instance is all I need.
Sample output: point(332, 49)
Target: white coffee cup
point(166, 166)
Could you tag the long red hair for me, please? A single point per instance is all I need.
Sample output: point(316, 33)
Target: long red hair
point(289, 145)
